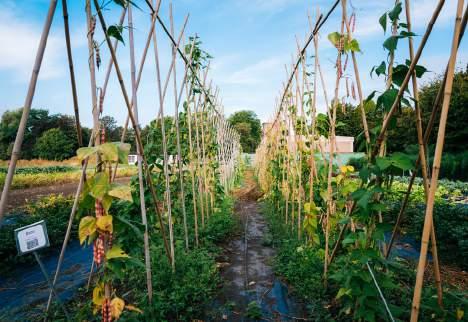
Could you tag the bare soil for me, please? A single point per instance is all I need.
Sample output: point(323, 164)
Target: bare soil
point(18, 198)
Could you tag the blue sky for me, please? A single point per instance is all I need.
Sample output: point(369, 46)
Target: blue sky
point(251, 41)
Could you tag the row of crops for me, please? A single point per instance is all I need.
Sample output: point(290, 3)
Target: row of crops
point(337, 225)
point(153, 240)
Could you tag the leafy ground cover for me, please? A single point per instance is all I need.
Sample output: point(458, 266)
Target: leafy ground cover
point(352, 287)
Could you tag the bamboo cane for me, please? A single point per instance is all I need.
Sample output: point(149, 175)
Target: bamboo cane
point(405, 82)
point(72, 72)
point(427, 132)
point(26, 108)
point(330, 201)
point(135, 127)
point(192, 173)
point(358, 81)
point(144, 220)
point(428, 220)
point(422, 157)
point(167, 194)
point(78, 192)
point(179, 153)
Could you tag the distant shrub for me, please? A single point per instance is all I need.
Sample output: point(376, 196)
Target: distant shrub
point(53, 144)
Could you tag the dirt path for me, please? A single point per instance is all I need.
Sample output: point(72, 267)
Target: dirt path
point(18, 198)
point(250, 286)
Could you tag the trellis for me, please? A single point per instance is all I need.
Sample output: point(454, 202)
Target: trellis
point(203, 113)
point(283, 140)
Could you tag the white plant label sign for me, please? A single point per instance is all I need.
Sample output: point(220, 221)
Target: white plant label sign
point(32, 237)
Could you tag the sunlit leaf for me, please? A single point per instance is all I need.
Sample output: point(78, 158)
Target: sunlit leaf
point(117, 306)
point(86, 227)
point(116, 252)
point(83, 153)
point(98, 294)
point(99, 185)
point(121, 191)
point(334, 38)
point(109, 152)
point(104, 223)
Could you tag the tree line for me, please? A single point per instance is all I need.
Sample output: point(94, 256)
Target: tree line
point(49, 136)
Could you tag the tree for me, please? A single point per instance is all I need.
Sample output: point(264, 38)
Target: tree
point(456, 130)
point(248, 125)
point(54, 145)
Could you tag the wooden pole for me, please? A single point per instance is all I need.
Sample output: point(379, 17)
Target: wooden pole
point(179, 153)
point(422, 156)
point(26, 108)
point(406, 80)
point(428, 220)
point(78, 190)
point(330, 201)
point(427, 132)
point(72, 72)
point(149, 179)
point(144, 220)
point(358, 81)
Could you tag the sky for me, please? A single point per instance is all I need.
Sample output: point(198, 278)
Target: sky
point(251, 42)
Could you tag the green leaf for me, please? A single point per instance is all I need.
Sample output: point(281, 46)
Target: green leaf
point(116, 252)
point(343, 291)
point(381, 69)
point(109, 152)
point(121, 191)
point(334, 38)
point(115, 31)
point(87, 227)
point(395, 13)
point(420, 70)
point(124, 149)
point(99, 185)
point(391, 43)
point(386, 100)
point(382, 163)
point(402, 161)
point(83, 153)
point(383, 22)
point(399, 74)
point(406, 34)
point(352, 45)
point(135, 229)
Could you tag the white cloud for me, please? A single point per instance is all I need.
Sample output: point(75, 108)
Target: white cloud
point(20, 41)
point(367, 22)
point(256, 73)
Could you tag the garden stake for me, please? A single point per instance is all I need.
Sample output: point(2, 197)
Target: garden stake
point(428, 220)
point(179, 154)
point(135, 127)
point(405, 82)
point(422, 157)
point(26, 108)
point(427, 132)
point(144, 220)
point(72, 73)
